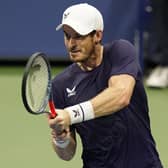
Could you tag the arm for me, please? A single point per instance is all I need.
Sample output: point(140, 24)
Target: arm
point(115, 97)
point(65, 150)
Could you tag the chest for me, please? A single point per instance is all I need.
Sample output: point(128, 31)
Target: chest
point(83, 87)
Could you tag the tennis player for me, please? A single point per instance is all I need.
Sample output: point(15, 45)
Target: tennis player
point(101, 97)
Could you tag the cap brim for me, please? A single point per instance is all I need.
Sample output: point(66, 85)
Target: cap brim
point(59, 27)
point(82, 30)
point(76, 27)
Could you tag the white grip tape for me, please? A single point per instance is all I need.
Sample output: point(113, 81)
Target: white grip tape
point(81, 112)
point(61, 143)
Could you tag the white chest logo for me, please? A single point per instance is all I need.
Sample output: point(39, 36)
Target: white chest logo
point(71, 92)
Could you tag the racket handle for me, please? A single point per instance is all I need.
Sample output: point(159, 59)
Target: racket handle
point(52, 109)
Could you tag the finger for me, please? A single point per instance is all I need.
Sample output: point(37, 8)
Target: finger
point(63, 136)
point(57, 135)
point(58, 129)
point(54, 122)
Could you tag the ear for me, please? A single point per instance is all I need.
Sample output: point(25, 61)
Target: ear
point(98, 36)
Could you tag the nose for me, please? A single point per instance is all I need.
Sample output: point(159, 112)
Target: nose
point(71, 42)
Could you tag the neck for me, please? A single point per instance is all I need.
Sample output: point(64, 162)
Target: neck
point(94, 60)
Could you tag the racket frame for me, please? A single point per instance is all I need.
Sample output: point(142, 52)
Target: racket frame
point(48, 96)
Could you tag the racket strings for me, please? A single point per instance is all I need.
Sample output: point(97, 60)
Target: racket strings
point(37, 85)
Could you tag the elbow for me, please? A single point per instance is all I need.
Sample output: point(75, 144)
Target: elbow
point(66, 158)
point(66, 155)
point(124, 101)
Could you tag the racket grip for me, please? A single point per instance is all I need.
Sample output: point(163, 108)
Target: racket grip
point(53, 113)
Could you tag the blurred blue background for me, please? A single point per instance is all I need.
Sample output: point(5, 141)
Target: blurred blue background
point(29, 26)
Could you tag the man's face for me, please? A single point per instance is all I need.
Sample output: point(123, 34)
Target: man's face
point(80, 48)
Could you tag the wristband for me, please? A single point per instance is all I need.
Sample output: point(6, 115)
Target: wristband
point(80, 112)
point(61, 143)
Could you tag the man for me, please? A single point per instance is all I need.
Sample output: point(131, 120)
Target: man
point(101, 97)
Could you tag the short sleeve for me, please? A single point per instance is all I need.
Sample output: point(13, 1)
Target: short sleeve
point(124, 59)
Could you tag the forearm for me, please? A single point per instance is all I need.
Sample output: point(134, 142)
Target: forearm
point(109, 101)
point(114, 98)
point(66, 153)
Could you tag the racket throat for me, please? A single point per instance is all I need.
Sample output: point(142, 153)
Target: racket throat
point(52, 109)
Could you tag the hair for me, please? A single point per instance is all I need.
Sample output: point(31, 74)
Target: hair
point(92, 33)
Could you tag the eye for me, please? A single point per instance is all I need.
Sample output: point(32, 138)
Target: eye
point(78, 36)
point(67, 36)
point(75, 36)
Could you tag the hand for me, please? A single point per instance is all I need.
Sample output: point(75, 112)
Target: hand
point(63, 136)
point(61, 122)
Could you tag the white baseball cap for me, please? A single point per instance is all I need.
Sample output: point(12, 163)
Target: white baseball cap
point(83, 18)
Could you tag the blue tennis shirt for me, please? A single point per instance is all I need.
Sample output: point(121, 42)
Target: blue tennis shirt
point(122, 139)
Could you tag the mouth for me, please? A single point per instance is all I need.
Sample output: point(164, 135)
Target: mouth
point(74, 52)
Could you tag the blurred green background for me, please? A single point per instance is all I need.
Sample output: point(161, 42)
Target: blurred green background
point(25, 138)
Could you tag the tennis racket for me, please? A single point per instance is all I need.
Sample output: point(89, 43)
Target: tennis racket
point(37, 86)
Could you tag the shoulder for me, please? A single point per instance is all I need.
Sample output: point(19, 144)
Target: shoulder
point(120, 50)
point(120, 46)
point(65, 74)
point(122, 56)
point(63, 78)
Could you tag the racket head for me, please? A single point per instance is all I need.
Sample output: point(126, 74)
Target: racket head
point(36, 84)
